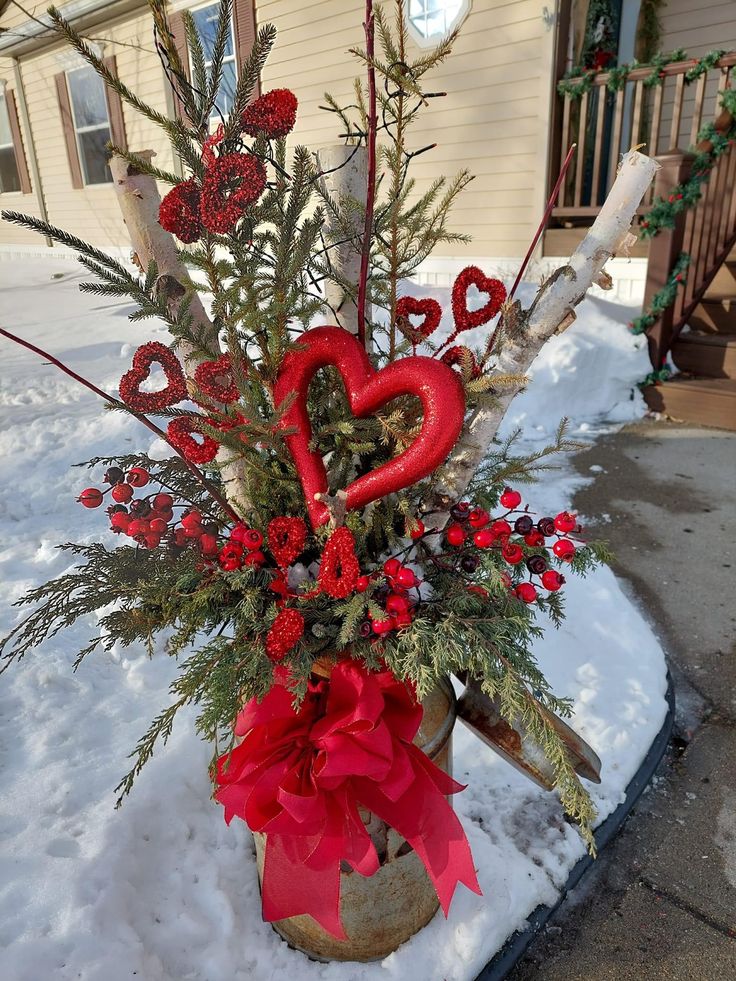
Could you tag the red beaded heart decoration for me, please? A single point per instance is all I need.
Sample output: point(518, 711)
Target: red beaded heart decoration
point(339, 569)
point(286, 539)
point(409, 306)
point(176, 388)
point(467, 319)
point(215, 378)
point(180, 436)
point(435, 384)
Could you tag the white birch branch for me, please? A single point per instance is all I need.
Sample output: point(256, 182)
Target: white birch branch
point(345, 170)
point(139, 202)
point(551, 313)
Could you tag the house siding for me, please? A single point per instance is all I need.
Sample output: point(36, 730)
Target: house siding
point(493, 121)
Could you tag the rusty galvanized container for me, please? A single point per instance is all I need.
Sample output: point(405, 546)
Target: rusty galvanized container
point(381, 911)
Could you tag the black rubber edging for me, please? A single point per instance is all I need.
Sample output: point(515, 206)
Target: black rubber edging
point(506, 958)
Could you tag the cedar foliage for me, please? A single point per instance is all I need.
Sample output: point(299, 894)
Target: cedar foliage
point(264, 283)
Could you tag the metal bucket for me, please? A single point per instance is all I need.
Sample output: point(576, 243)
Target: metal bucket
point(381, 911)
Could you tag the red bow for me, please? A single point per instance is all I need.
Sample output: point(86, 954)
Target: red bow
point(300, 776)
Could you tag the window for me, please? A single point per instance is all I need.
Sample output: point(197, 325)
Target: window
point(91, 123)
point(430, 20)
point(9, 176)
point(205, 20)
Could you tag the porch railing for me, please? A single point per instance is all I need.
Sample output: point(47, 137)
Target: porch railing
point(605, 124)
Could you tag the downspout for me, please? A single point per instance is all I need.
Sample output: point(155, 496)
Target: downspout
point(30, 145)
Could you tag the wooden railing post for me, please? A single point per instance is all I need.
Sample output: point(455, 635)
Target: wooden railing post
point(664, 248)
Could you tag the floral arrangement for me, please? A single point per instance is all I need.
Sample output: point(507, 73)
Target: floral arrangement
point(314, 551)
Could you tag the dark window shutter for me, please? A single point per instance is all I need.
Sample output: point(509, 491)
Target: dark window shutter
point(20, 156)
point(67, 123)
point(176, 24)
point(115, 108)
point(244, 16)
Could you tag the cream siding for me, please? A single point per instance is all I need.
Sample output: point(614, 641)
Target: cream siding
point(493, 120)
point(17, 201)
point(90, 212)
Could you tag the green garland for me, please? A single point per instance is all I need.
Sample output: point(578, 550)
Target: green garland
point(664, 212)
point(664, 298)
point(580, 80)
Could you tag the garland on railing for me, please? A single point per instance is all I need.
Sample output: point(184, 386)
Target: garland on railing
point(664, 212)
point(663, 298)
point(580, 80)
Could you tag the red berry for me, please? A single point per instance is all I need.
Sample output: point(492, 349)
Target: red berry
point(119, 521)
point(406, 578)
point(238, 533)
point(163, 502)
point(138, 477)
point(158, 526)
point(534, 538)
point(478, 518)
point(151, 540)
point(193, 531)
point(403, 620)
point(484, 538)
point(252, 539)
point(137, 528)
point(254, 558)
point(510, 499)
point(192, 519)
point(501, 529)
point(512, 553)
point(552, 580)
point(391, 567)
point(506, 580)
point(122, 493)
point(455, 535)
point(564, 549)
point(418, 529)
point(479, 591)
point(166, 515)
point(91, 497)
point(396, 603)
point(180, 538)
point(231, 557)
point(382, 626)
point(362, 583)
point(526, 592)
point(207, 543)
point(565, 522)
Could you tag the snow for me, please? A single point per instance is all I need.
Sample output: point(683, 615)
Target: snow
point(162, 890)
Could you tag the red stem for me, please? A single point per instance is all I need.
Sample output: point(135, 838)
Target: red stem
point(214, 493)
point(543, 223)
point(371, 189)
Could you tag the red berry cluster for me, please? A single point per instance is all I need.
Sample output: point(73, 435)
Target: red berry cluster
point(145, 519)
point(392, 595)
point(473, 528)
point(273, 114)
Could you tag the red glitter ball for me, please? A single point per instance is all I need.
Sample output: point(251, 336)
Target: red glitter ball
point(231, 184)
point(274, 114)
point(179, 212)
point(286, 631)
point(180, 436)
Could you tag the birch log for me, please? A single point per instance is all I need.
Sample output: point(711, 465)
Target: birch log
point(552, 311)
point(139, 202)
point(345, 170)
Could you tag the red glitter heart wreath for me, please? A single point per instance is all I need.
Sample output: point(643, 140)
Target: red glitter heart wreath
point(215, 378)
point(431, 310)
point(176, 388)
point(467, 319)
point(435, 384)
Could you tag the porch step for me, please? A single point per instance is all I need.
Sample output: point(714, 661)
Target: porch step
point(714, 317)
point(713, 355)
point(705, 401)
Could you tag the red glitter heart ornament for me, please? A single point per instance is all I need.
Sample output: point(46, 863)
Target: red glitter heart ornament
point(435, 384)
point(409, 306)
point(467, 319)
point(153, 352)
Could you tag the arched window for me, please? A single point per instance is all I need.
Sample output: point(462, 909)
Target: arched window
point(430, 20)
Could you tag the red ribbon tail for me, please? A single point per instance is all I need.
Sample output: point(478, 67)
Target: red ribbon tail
point(292, 888)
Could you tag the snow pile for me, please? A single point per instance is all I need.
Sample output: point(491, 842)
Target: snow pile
point(162, 890)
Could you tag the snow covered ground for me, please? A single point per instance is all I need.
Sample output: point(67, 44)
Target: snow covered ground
point(162, 890)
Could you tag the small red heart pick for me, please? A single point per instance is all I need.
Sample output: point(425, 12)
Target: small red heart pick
point(176, 389)
point(467, 319)
point(435, 384)
point(409, 306)
point(215, 378)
